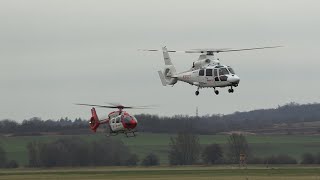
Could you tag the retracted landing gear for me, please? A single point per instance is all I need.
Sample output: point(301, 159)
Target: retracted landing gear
point(230, 90)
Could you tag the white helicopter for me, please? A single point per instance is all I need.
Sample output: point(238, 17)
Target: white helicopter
point(206, 72)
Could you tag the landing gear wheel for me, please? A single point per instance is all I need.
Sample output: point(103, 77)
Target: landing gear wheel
point(230, 90)
point(197, 93)
point(216, 91)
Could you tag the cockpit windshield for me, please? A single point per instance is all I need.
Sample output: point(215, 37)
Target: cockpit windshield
point(127, 119)
point(231, 70)
point(223, 71)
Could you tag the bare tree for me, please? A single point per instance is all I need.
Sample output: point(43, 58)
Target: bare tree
point(33, 152)
point(212, 154)
point(237, 144)
point(132, 160)
point(150, 160)
point(184, 149)
point(308, 158)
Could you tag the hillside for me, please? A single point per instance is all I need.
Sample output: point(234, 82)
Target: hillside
point(291, 118)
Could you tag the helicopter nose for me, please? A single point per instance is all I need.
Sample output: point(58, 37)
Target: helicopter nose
point(234, 79)
point(133, 123)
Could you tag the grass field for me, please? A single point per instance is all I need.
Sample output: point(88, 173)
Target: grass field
point(293, 145)
point(160, 173)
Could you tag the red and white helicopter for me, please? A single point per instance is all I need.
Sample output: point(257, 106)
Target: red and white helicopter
point(118, 121)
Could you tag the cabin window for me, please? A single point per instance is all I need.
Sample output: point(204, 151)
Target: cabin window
point(201, 72)
point(223, 78)
point(208, 72)
point(215, 72)
point(118, 119)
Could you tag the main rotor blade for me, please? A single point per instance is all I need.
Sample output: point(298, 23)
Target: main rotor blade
point(212, 50)
point(140, 107)
point(116, 106)
point(208, 50)
point(95, 105)
point(132, 107)
point(247, 49)
point(153, 50)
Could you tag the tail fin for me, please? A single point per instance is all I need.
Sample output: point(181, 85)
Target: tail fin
point(167, 77)
point(94, 120)
point(166, 57)
point(162, 78)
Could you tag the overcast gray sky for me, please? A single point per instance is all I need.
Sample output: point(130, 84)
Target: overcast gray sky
point(54, 53)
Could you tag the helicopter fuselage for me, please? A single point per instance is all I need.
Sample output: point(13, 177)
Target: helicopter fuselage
point(121, 121)
point(210, 76)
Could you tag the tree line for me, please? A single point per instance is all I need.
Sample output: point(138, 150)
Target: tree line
point(184, 149)
point(208, 124)
point(36, 125)
point(78, 152)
